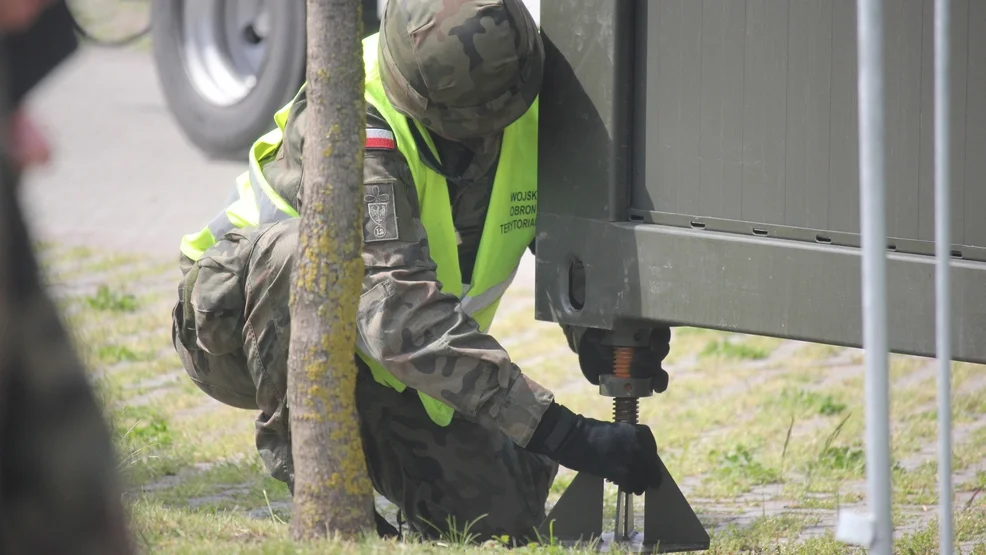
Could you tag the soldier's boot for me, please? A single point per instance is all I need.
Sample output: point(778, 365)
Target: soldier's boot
point(463, 475)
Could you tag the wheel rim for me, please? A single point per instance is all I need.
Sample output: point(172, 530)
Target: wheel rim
point(225, 47)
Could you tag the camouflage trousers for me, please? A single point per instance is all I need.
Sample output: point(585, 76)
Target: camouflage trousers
point(232, 329)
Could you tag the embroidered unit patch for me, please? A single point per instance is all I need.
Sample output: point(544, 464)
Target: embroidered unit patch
point(381, 221)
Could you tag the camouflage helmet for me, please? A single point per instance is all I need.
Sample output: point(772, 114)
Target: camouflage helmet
point(463, 68)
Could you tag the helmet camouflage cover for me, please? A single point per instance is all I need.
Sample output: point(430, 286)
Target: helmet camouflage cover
point(463, 68)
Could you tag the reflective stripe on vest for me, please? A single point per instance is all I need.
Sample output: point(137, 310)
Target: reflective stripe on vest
point(472, 305)
point(252, 208)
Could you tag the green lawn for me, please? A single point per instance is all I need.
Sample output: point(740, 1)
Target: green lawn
point(763, 435)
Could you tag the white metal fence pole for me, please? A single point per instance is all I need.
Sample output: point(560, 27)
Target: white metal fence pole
point(870, 48)
point(943, 256)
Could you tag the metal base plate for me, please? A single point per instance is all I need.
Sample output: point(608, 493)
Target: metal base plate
point(670, 524)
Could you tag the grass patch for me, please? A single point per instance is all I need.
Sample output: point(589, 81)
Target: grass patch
point(108, 300)
point(740, 464)
point(146, 443)
point(768, 534)
point(225, 486)
point(969, 525)
point(53, 255)
point(810, 402)
point(917, 486)
point(790, 430)
point(977, 482)
point(134, 378)
point(837, 461)
point(146, 426)
point(969, 404)
point(160, 528)
point(821, 351)
point(95, 328)
point(723, 348)
point(115, 354)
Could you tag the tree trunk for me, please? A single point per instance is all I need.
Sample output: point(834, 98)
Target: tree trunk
point(332, 492)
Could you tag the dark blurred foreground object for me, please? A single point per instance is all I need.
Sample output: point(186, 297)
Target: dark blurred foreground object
point(58, 481)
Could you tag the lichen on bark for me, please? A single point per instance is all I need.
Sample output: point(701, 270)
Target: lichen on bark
point(333, 494)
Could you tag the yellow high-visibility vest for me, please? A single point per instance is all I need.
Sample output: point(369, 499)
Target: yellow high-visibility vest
point(508, 231)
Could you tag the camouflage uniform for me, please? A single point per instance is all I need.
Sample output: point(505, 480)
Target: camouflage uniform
point(232, 324)
point(59, 491)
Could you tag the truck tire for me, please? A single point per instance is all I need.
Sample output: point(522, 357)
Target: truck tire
point(225, 66)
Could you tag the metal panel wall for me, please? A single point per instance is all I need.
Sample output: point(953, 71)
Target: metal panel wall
point(750, 115)
point(739, 118)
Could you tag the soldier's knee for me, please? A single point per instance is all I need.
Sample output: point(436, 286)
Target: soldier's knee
point(208, 321)
point(273, 253)
point(222, 377)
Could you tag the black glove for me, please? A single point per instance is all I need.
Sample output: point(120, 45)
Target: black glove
point(625, 454)
point(596, 358)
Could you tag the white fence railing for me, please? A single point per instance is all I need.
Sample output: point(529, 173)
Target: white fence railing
point(875, 530)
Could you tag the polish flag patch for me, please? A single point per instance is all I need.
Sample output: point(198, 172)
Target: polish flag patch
point(380, 139)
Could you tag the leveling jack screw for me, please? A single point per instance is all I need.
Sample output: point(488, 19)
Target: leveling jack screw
point(625, 409)
point(670, 524)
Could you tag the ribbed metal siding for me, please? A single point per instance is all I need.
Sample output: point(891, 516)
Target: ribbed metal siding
point(751, 115)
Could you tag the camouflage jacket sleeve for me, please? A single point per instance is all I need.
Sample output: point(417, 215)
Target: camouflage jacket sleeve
point(421, 335)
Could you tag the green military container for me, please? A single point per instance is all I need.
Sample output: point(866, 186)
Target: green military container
point(699, 165)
